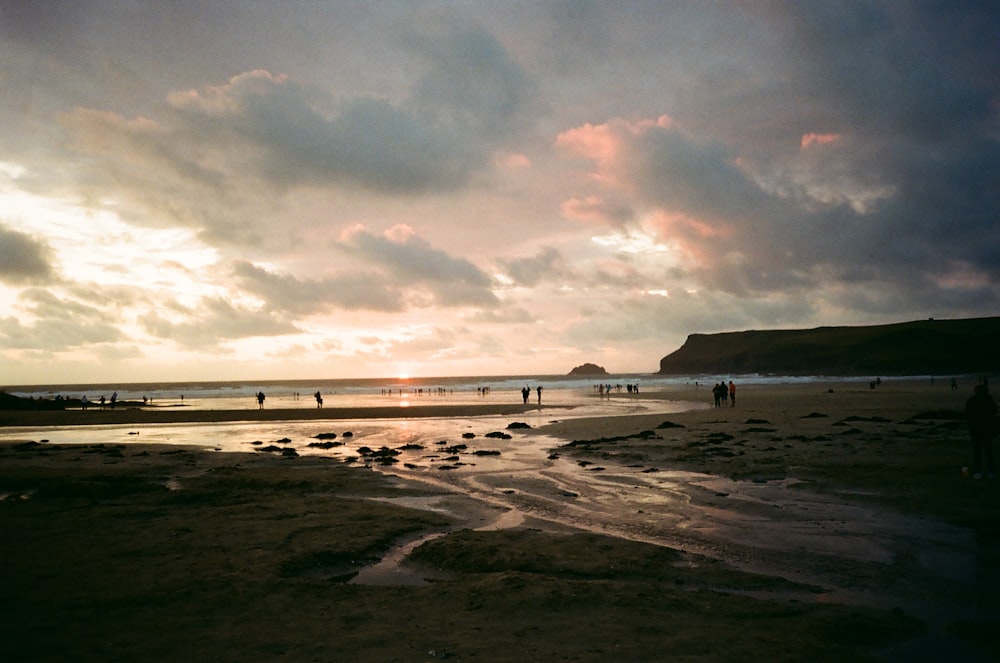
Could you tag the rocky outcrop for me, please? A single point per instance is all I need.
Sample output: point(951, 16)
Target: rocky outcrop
point(588, 369)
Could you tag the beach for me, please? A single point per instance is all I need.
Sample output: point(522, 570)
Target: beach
point(818, 521)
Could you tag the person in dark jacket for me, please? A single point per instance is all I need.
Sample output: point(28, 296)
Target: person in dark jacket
point(981, 413)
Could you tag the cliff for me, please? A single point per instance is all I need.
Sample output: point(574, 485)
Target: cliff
point(923, 347)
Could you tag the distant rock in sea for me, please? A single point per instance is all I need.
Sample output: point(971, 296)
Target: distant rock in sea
point(588, 369)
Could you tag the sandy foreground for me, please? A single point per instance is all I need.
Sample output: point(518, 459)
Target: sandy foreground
point(818, 522)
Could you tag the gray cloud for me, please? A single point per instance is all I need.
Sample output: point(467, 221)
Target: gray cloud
point(415, 263)
point(215, 157)
point(920, 214)
point(293, 137)
point(474, 84)
point(214, 322)
point(395, 271)
point(286, 293)
point(547, 265)
point(58, 324)
point(23, 258)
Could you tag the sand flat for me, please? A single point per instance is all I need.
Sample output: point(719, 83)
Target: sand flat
point(705, 539)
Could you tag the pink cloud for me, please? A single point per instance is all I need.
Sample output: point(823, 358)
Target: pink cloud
point(513, 161)
point(594, 209)
point(225, 99)
point(811, 139)
point(690, 237)
point(603, 143)
point(595, 142)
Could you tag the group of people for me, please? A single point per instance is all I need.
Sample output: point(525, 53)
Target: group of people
point(606, 389)
point(526, 393)
point(723, 394)
point(85, 402)
point(261, 397)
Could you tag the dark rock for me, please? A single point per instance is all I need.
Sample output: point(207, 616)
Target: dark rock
point(325, 445)
point(588, 369)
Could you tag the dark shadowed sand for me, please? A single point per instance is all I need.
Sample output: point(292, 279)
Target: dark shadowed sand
point(820, 523)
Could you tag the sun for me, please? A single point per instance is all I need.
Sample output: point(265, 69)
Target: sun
point(404, 376)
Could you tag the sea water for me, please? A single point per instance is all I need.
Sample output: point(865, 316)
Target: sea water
point(379, 392)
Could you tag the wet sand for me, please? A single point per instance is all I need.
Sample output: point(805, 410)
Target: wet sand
point(96, 416)
point(802, 524)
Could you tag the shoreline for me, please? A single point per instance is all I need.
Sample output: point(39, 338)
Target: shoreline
point(134, 416)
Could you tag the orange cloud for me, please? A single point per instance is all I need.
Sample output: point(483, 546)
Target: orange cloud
point(603, 142)
point(811, 139)
point(595, 142)
point(595, 209)
point(689, 236)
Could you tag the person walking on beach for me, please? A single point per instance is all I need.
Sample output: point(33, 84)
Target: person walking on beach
point(539, 390)
point(319, 400)
point(525, 393)
point(981, 413)
point(260, 400)
point(732, 394)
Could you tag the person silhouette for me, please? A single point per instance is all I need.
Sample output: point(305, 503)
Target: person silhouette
point(539, 390)
point(525, 392)
point(319, 400)
point(260, 400)
point(981, 413)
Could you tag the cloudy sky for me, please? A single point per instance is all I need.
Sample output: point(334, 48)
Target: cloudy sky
point(230, 189)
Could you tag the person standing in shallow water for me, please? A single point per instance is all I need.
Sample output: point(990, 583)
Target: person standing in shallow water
point(981, 413)
point(525, 393)
point(260, 400)
point(539, 390)
point(319, 400)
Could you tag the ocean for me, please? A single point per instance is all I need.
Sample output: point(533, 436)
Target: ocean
point(374, 392)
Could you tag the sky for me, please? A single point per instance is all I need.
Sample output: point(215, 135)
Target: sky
point(233, 189)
